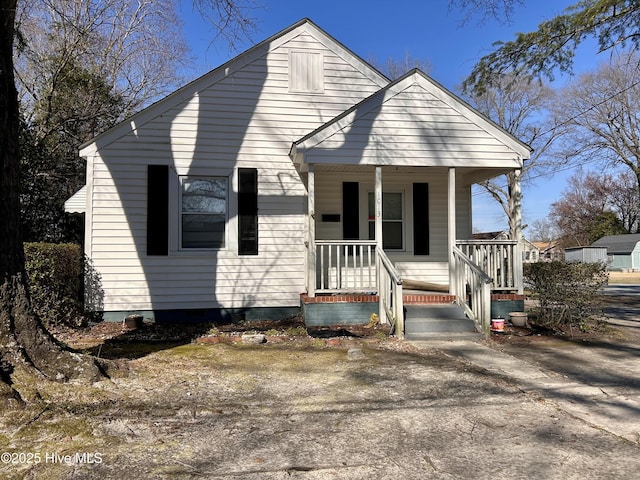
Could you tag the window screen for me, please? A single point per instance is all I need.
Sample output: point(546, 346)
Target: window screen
point(203, 212)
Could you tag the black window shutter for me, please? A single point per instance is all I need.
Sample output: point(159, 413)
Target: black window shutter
point(247, 211)
point(421, 219)
point(157, 210)
point(350, 211)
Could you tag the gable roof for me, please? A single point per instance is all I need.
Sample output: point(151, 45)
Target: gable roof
point(184, 93)
point(546, 246)
point(376, 102)
point(620, 244)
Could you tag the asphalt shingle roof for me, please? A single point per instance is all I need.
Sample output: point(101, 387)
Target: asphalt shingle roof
point(618, 243)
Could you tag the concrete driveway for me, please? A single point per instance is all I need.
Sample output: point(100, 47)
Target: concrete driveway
point(627, 311)
point(596, 380)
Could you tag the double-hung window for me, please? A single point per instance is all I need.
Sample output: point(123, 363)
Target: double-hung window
point(203, 212)
point(392, 219)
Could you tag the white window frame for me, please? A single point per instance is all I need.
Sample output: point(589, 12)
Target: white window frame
point(402, 221)
point(181, 212)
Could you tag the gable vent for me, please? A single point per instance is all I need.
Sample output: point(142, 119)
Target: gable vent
point(306, 71)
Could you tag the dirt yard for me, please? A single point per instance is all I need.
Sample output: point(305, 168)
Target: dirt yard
point(315, 407)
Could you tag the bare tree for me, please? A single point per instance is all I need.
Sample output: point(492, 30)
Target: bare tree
point(137, 48)
point(396, 67)
point(519, 106)
point(82, 66)
point(624, 198)
point(601, 110)
point(592, 206)
point(542, 230)
point(26, 348)
point(485, 10)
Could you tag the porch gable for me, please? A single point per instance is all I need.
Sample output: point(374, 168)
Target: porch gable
point(411, 122)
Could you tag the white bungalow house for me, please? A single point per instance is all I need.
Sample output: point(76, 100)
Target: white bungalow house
point(296, 172)
point(530, 252)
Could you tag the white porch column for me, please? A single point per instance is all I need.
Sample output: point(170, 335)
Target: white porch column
point(378, 206)
point(382, 313)
point(311, 233)
point(517, 213)
point(451, 222)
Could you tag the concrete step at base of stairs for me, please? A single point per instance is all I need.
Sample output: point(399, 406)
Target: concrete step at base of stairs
point(427, 320)
point(443, 336)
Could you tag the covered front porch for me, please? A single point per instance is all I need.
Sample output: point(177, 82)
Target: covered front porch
point(389, 201)
point(399, 235)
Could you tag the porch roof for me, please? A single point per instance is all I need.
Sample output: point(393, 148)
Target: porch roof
point(413, 121)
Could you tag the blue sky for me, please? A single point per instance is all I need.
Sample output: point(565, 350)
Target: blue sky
point(424, 29)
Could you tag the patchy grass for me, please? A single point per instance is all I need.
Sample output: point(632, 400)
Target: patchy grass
point(624, 277)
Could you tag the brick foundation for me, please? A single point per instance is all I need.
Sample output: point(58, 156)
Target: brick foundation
point(420, 299)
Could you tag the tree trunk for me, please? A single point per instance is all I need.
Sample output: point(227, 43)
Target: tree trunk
point(25, 345)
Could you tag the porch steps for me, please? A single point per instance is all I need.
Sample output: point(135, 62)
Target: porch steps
point(443, 321)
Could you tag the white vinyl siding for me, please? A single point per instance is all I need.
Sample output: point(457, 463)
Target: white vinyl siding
point(240, 117)
point(416, 122)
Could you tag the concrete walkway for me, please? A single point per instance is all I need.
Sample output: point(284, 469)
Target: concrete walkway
point(613, 406)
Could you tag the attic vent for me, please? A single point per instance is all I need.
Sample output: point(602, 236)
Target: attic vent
point(306, 72)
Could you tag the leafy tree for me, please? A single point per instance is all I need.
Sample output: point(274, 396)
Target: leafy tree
point(553, 45)
point(135, 48)
point(80, 69)
point(26, 348)
point(607, 223)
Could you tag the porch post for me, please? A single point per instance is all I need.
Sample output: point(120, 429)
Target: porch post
point(311, 231)
point(378, 195)
point(451, 222)
point(518, 276)
point(382, 313)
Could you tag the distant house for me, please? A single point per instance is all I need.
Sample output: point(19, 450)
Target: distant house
point(530, 252)
point(623, 251)
point(295, 172)
point(549, 251)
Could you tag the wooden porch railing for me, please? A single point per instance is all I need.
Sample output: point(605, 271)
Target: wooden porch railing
point(390, 294)
point(499, 259)
point(345, 266)
point(477, 299)
point(358, 266)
